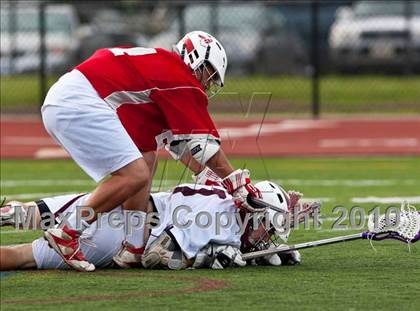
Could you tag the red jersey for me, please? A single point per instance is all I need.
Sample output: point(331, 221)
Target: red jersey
point(154, 92)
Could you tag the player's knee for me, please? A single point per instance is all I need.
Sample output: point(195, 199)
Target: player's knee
point(139, 181)
point(137, 177)
point(134, 176)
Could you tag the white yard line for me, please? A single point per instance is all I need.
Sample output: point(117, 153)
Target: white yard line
point(298, 182)
point(13, 232)
point(320, 199)
point(369, 142)
point(284, 126)
point(38, 195)
point(51, 153)
point(46, 182)
point(386, 200)
point(28, 141)
point(346, 182)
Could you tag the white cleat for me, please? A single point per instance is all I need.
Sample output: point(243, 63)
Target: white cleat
point(128, 256)
point(65, 241)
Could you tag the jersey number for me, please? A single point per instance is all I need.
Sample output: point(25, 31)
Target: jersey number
point(187, 191)
point(132, 51)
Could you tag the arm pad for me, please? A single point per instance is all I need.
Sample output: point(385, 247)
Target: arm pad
point(201, 149)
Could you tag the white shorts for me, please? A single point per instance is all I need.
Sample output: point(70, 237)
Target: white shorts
point(83, 123)
point(99, 243)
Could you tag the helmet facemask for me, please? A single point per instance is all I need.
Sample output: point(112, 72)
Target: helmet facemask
point(209, 79)
point(261, 233)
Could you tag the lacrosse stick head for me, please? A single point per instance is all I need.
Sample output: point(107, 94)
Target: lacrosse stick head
point(403, 226)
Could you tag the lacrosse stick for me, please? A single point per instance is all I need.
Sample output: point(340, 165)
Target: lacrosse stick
point(262, 205)
point(404, 227)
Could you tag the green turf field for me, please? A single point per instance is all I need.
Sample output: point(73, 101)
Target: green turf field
point(349, 276)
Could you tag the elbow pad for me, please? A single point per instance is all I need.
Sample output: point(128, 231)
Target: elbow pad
point(201, 149)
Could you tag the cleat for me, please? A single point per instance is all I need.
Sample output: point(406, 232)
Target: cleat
point(8, 216)
point(128, 256)
point(65, 241)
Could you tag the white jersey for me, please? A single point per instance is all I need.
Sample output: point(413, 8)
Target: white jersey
point(184, 212)
point(197, 215)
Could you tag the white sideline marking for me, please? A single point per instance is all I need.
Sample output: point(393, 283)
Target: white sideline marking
point(369, 142)
point(46, 182)
point(321, 199)
point(227, 132)
point(280, 127)
point(51, 153)
point(38, 195)
point(63, 182)
point(346, 182)
point(298, 182)
point(14, 232)
point(387, 200)
point(154, 188)
point(28, 140)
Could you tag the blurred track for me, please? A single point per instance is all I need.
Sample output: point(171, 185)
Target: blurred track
point(26, 138)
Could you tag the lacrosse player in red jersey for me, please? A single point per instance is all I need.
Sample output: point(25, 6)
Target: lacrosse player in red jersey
point(112, 112)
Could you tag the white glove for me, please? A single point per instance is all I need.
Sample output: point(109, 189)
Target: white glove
point(283, 259)
point(207, 177)
point(216, 256)
point(238, 184)
point(290, 258)
point(272, 260)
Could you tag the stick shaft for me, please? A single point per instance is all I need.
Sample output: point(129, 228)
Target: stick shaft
point(286, 248)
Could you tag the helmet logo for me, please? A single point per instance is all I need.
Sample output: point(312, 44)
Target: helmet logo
point(189, 45)
point(205, 41)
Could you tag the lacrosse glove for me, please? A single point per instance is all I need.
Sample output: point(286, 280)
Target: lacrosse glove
point(238, 184)
point(218, 257)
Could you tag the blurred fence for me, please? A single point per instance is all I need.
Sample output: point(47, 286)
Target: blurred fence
point(289, 57)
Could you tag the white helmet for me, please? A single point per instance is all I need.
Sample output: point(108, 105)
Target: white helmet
point(275, 195)
point(198, 47)
point(272, 227)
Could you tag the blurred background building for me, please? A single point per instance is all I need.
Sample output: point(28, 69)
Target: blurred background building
point(286, 57)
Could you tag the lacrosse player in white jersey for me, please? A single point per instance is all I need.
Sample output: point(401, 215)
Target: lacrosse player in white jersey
point(194, 225)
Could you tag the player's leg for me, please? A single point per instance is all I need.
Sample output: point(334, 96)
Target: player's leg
point(130, 253)
point(151, 158)
point(17, 257)
point(123, 184)
point(142, 195)
point(92, 134)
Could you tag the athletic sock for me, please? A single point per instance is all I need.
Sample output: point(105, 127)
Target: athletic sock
point(134, 228)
